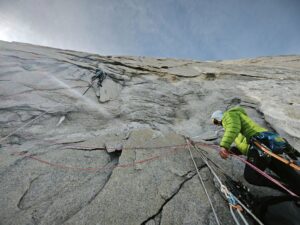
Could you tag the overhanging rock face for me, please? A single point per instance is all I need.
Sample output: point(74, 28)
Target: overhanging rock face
point(60, 168)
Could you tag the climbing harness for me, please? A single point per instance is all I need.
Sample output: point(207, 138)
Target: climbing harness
point(100, 75)
point(235, 204)
point(267, 151)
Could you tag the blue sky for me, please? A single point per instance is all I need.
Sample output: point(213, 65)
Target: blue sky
point(193, 29)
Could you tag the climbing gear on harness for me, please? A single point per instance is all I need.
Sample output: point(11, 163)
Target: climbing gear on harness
point(100, 75)
point(267, 151)
point(239, 190)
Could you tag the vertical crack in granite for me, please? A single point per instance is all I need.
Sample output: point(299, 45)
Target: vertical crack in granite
point(171, 197)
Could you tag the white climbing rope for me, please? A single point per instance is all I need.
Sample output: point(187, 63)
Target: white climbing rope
point(249, 212)
point(20, 128)
point(227, 193)
point(243, 218)
point(232, 200)
point(203, 185)
point(233, 215)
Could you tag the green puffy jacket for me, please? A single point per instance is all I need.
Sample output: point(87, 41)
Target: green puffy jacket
point(239, 127)
point(242, 144)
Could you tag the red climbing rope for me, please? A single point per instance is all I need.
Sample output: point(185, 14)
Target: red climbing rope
point(172, 148)
point(266, 175)
point(97, 169)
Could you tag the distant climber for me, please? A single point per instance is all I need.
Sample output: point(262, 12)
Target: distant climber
point(242, 130)
point(100, 75)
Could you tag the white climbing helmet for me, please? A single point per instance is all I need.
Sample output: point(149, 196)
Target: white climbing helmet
point(217, 115)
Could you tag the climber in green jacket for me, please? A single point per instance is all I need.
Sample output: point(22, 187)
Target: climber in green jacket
point(241, 129)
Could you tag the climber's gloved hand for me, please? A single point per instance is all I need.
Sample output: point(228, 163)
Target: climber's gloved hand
point(224, 153)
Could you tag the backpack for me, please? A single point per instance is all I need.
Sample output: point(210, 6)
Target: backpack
point(273, 141)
